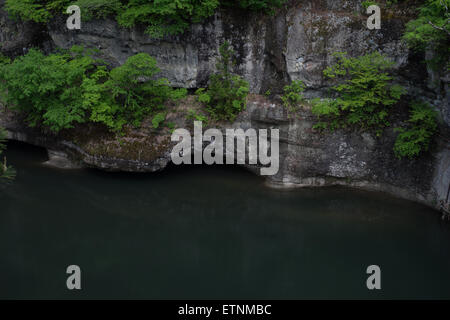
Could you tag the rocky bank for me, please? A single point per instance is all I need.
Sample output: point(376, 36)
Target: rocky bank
point(295, 43)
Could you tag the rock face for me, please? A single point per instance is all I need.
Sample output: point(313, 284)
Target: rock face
point(16, 36)
point(296, 43)
point(309, 158)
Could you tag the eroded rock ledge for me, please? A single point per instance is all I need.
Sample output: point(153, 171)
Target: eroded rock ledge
point(296, 43)
point(307, 157)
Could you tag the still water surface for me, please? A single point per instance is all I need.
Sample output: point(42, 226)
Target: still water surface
point(209, 232)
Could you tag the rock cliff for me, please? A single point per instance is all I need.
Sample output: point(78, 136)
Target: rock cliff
point(295, 43)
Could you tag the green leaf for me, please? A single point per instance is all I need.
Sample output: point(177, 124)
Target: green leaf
point(158, 119)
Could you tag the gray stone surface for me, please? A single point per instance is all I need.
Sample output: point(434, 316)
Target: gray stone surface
point(307, 157)
point(16, 37)
point(296, 43)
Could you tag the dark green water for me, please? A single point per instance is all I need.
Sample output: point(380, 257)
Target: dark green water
point(209, 232)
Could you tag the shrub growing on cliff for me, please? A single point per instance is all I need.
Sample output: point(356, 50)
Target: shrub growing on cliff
point(226, 95)
point(158, 119)
point(42, 11)
point(60, 90)
point(293, 95)
point(98, 8)
point(168, 17)
point(132, 92)
point(365, 93)
point(416, 138)
point(165, 17)
point(27, 10)
point(431, 30)
point(47, 88)
point(196, 116)
point(161, 17)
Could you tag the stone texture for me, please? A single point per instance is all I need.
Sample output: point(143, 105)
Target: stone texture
point(296, 43)
point(307, 157)
point(16, 37)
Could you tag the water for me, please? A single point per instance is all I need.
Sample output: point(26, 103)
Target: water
point(209, 232)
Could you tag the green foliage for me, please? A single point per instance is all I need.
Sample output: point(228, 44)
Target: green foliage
point(256, 5)
point(4, 59)
point(98, 8)
point(367, 4)
point(416, 138)
point(158, 119)
point(171, 126)
point(365, 93)
point(161, 17)
point(164, 17)
point(33, 10)
point(47, 88)
point(135, 93)
point(293, 96)
point(129, 93)
point(60, 90)
point(193, 115)
point(203, 96)
point(226, 95)
point(390, 3)
point(431, 29)
point(6, 172)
